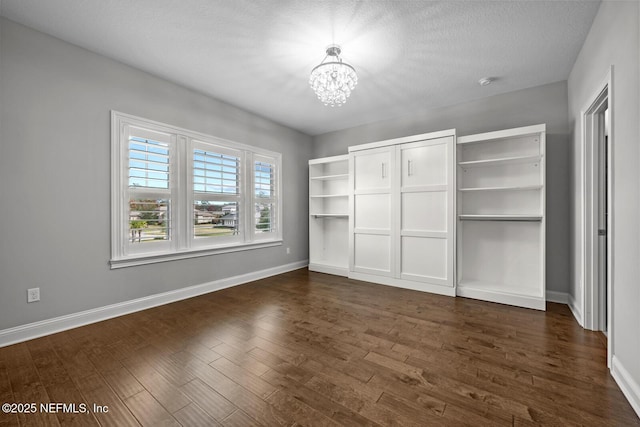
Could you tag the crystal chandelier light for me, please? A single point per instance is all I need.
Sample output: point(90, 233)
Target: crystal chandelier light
point(334, 80)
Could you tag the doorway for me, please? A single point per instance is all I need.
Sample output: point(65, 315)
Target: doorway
point(597, 202)
point(603, 218)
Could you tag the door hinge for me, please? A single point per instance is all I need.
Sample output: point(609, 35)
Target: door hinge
point(602, 232)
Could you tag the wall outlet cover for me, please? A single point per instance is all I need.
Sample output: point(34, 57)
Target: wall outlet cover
point(33, 294)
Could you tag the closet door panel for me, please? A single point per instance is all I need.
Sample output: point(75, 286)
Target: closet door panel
point(425, 236)
point(424, 258)
point(373, 253)
point(425, 165)
point(424, 211)
point(372, 211)
point(372, 171)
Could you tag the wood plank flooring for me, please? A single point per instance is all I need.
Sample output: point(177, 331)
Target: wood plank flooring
point(313, 349)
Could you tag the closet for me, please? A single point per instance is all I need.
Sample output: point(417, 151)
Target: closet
point(402, 214)
point(455, 216)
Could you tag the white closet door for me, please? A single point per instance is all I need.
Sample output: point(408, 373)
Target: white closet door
point(425, 211)
point(372, 220)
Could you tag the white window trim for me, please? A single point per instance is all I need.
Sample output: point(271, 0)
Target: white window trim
point(182, 245)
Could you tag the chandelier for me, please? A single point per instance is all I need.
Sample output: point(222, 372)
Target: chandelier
point(334, 80)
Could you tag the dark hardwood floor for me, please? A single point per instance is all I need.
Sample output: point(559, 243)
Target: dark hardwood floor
point(312, 349)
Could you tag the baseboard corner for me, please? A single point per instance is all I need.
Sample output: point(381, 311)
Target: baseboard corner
point(576, 310)
point(557, 297)
point(629, 386)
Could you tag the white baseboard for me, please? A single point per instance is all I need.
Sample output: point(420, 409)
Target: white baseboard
point(629, 386)
point(576, 310)
point(70, 321)
point(405, 284)
point(559, 297)
point(337, 271)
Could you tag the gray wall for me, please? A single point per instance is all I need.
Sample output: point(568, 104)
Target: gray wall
point(542, 104)
point(55, 177)
point(614, 39)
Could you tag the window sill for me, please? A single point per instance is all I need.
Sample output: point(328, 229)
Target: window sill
point(143, 259)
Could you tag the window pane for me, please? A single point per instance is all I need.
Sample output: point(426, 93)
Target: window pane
point(215, 173)
point(214, 219)
point(263, 179)
point(265, 222)
point(148, 163)
point(148, 220)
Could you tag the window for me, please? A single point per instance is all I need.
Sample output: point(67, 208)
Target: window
point(217, 198)
point(148, 191)
point(178, 194)
point(264, 196)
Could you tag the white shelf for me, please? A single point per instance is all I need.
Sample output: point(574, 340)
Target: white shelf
point(501, 135)
point(500, 217)
point(330, 215)
point(330, 177)
point(514, 188)
point(500, 161)
point(322, 196)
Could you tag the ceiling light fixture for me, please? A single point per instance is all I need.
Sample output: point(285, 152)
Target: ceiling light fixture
point(334, 80)
point(485, 81)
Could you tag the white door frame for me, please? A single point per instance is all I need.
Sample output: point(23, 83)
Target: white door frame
point(592, 131)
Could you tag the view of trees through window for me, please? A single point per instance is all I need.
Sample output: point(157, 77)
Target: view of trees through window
point(148, 220)
point(263, 217)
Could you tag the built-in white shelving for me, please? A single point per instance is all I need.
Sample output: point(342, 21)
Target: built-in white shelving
point(328, 215)
point(501, 216)
point(384, 213)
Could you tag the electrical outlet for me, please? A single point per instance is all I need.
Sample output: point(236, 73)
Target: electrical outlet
point(33, 294)
point(288, 251)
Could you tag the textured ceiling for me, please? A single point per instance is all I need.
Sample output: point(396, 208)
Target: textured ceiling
point(410, 55)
